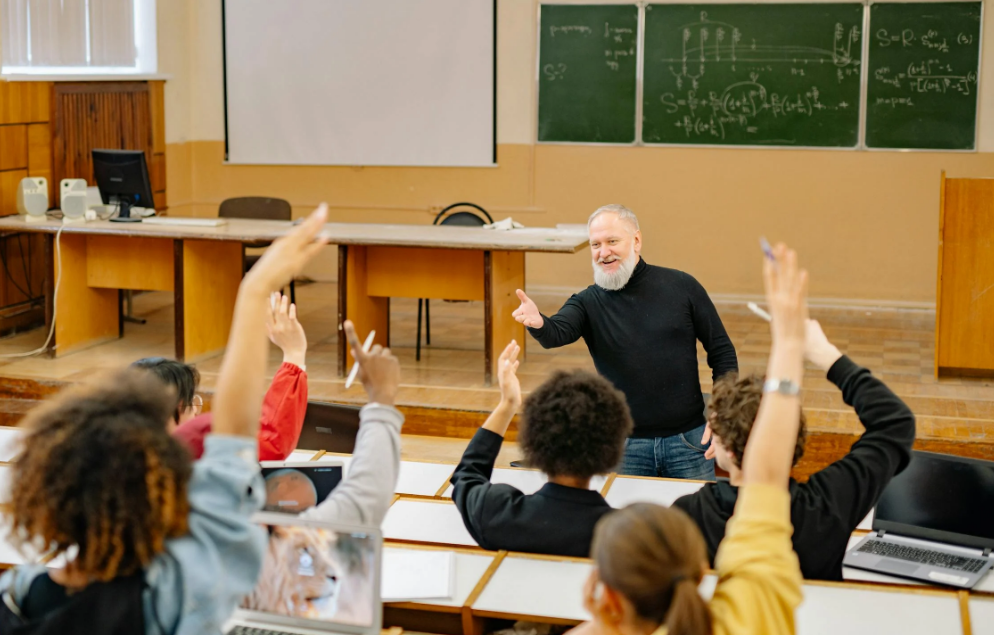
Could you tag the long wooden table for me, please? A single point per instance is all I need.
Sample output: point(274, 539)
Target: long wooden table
point(202, 266)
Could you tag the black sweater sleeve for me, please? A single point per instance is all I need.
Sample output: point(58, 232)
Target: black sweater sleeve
point(565, 327)
point(853, 484)
point(477, 499)
point(711, 332)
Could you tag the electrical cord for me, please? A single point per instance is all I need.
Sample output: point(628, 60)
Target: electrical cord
point(55, 300)
point(10, 276)
point(24, 266)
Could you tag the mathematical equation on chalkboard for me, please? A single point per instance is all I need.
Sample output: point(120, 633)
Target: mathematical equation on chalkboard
point(931, 72)
point(729, 83)
point(619, 44)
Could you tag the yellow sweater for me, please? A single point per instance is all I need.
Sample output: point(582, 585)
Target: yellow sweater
point(759, 578)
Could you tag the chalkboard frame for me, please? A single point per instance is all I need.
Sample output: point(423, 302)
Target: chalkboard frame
point(864, 109)
point(864, 82)
point(639, 52)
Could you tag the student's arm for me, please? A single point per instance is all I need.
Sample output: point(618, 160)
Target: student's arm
point(759, 576)
point(285, 404)
point(565, 327)
point(854, 483)
point(477, 499)
point(364, 496)
point(710, 330)
point(238, 395)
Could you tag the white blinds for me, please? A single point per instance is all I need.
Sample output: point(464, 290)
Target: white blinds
point(68, 33)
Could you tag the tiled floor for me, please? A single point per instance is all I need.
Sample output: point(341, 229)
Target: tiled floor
point(897, 345)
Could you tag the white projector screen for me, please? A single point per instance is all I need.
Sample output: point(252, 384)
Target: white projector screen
point(356, 82)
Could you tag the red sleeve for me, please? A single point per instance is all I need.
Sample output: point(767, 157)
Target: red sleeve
point(283, 413)
point(192, 433)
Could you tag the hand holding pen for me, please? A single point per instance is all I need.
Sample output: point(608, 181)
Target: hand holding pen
point(379, 370)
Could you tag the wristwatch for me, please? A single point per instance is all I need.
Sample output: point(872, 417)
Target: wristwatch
point(782, 386)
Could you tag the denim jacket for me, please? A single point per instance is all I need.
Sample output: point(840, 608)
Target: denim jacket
point(196, 583)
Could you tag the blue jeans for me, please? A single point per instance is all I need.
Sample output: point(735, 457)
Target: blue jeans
point(678, 456)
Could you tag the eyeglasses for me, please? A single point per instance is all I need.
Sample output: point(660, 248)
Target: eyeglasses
point(198, 404)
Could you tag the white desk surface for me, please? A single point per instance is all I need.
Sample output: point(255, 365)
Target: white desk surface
point(422, 479)
point(5, 476)
point(470, 568)
point(867, 523)
point(524, 586)
point(986, 584)
point(528, 481)
point(301, 455)
point(831, 610)
point(982, 615)
point(626, 490)
point(436, 522)
point(8, 443)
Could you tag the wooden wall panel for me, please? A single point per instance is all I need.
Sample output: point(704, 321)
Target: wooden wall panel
point(91, 115)
point(40, 155)
point(965, 306)
point(9, 181)
point(25, 102)
point(158, 104)
point(23, 258)
point(13, 147)
point(157, 172)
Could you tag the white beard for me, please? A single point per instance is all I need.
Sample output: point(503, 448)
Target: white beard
point(616, 280)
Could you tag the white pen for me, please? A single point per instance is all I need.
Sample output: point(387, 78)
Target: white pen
point(355, 365)
point(758, 311)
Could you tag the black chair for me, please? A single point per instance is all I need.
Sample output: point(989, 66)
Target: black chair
point(454, 217)
point(257, 208)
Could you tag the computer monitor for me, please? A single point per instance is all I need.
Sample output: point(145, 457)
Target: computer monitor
point(122, 177)
point(940, 497)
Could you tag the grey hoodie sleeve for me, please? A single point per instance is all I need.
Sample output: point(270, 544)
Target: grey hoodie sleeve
point(364, 496)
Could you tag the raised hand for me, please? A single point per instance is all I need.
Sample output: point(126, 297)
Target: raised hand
point(287, 256)
point(379, 370)
point(284, 330)
point(786, 294)
point(507, 367)
point(817, 349)
point(527, 313)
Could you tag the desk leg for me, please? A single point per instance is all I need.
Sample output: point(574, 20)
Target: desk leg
point(504, 273)
point(208, 273)
point(354, 303)
point(84, 316)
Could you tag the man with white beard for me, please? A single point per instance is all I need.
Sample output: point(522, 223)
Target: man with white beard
point(641, 324)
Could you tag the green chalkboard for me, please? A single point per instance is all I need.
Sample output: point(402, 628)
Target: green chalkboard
point(752, 74)
point(922, 90)
point(588, 58)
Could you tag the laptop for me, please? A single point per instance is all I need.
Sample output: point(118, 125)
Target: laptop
point(316, 578)
point(331, 427)
point(293, 486)
point(934, 522)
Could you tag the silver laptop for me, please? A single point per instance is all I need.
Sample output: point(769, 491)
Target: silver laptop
point(316, 578)
point(934, 523)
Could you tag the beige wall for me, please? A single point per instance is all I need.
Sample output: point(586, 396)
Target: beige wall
point(865, 222)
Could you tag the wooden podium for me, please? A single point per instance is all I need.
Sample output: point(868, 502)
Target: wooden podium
point(964, 311)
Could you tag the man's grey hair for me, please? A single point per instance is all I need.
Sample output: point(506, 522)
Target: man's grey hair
point(623, 213)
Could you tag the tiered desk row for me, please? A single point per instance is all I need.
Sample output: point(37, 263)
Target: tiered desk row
point(548, 589)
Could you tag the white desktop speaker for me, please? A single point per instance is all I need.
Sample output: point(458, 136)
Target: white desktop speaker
point(32, 197)
point(73, 196)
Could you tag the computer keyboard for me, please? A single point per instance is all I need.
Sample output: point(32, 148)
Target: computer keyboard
point(923, 556)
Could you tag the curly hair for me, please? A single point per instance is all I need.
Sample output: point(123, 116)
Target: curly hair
point(732, 411)
point(98, 470)
point(575, 424)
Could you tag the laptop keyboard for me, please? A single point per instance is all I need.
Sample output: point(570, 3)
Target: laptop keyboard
point(923, 556)
point(251, 630)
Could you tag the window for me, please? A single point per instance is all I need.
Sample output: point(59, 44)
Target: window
point(77, 37)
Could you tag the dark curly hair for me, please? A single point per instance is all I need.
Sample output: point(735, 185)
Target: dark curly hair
point(184, 379)
point(732, 411)
point(97, 469)
point(575, 424)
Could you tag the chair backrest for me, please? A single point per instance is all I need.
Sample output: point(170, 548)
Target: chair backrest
point(463, 218)
point(332, 427)
point(255, 208)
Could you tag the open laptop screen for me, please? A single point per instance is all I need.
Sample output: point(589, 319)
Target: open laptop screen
point(294, 487)
point(316, 575)
point(943, 498)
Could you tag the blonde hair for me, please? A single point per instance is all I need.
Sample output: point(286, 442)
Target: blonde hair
point(654, 556)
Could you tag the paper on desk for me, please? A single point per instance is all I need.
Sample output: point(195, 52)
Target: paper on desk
point(417, 574)
point(504, 225)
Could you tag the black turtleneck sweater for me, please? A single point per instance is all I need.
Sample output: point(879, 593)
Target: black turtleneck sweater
point(643, 338)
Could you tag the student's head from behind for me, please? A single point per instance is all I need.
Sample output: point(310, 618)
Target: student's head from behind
point(575, 424)
point(98, 470)
point(648, 562)
point(184, 380)
point(732, 411)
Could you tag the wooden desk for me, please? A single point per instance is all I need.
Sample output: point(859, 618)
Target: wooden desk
point(202, 266)
point(526, 480)
point(626, 490)
point(544, 589)
point(422, 479)
point(377, 262)
point(982, 615)
point(426, 521)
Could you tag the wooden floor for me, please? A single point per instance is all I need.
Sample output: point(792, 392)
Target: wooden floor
point(897, 345)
